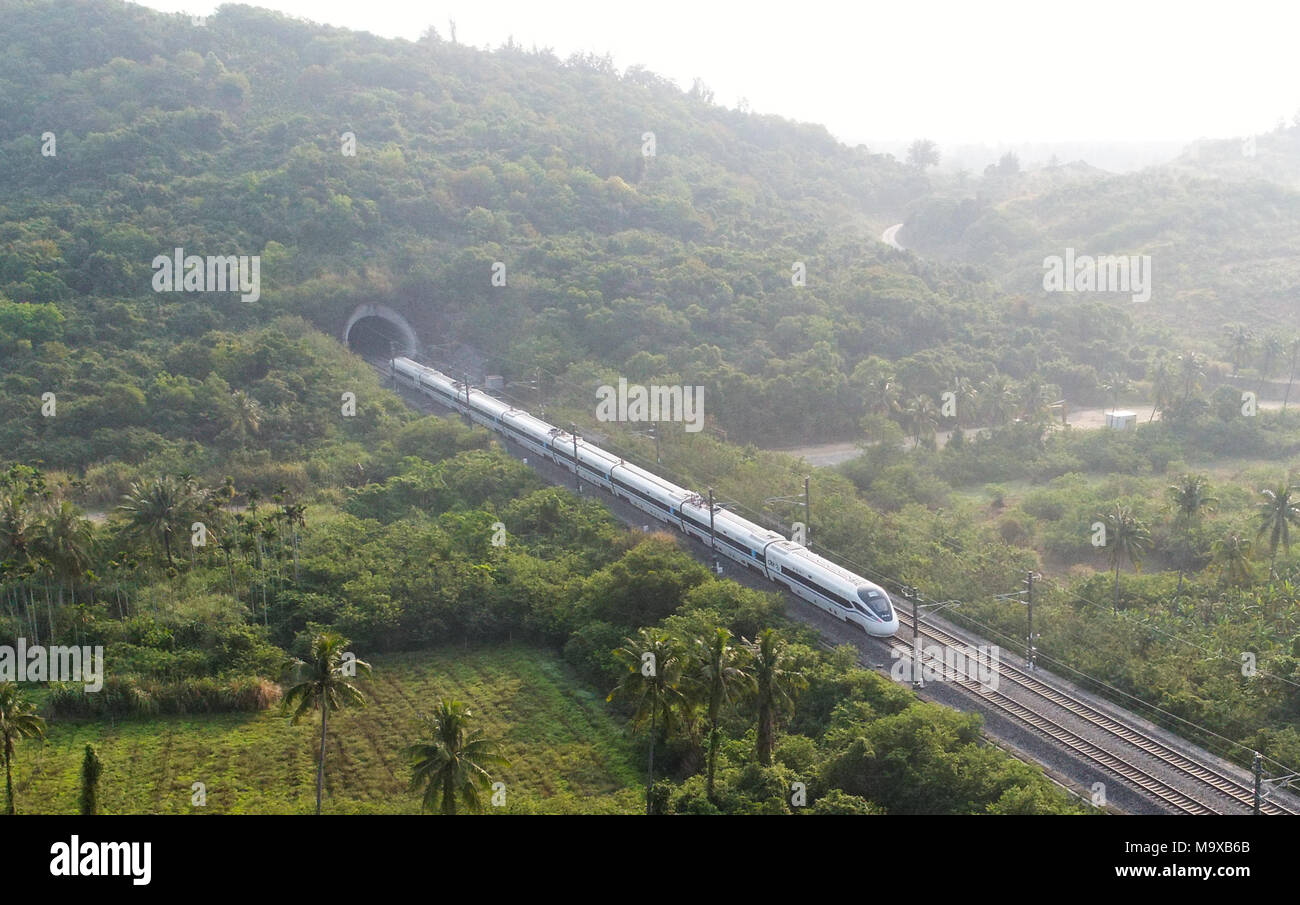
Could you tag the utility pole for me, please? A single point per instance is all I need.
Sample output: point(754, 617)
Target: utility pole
point(537, 385)
point(1030, 649)
point(573, 432)
point(913, 594)
point(807, 514)
point(713, 544)
point(1258, 768)
point(654, 432)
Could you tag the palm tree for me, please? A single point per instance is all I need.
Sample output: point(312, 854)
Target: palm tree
point(1232, 552)
point(17, 535)
point(295, 517)
point(160, 509)
point(324, 684)
point(999, 399)
point(18, 720)
point(874, 379)
point(15, 525)
point(1162, 386)
point(1279, 510)
point(1190, 497)
point(1191, 370)
point(1115, 385)
point(922, 417)
point(1293, 347)
point(1271, 348)
point(451, 765)
point(654, 663)
point(720, 672)
point(964, 393)
point(68, 542)
point(246, 416)
point(776, 682)
point(1128, 539)
point(1239, 341)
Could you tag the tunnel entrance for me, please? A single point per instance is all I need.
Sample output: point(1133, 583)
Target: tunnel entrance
point(374, 337)
point(377, 331)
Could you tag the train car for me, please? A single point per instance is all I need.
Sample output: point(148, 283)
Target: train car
point(840, 592)
point(650, 493)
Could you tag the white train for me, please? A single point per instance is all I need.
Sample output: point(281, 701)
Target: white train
point(792, 566)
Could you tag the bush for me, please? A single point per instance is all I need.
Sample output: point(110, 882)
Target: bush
point(128, 696)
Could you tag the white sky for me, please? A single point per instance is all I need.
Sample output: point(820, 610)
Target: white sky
point(992, 71)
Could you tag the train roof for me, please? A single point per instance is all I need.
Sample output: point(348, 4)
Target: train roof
point(822, 562)
point(744, 524)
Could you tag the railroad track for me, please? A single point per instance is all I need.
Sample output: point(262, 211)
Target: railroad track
point(1141, 777)
point(1221, 783)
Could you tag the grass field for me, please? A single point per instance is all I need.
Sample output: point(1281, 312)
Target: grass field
point(567, 754)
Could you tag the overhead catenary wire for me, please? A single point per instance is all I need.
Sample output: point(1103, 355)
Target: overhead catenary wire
point(763, 519)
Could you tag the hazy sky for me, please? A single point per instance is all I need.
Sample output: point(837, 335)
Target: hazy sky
point(979, 71)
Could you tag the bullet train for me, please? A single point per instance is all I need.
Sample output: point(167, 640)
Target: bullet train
point(794, 567)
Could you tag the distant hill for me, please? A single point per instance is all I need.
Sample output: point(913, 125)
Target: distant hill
point(642, 230)
point(1221, 224)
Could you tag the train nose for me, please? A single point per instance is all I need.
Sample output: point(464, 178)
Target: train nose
point(884, 629)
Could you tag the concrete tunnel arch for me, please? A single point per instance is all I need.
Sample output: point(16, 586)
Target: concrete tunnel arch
point(403, 333)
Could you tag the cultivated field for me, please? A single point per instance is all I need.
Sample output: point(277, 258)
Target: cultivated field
point(567, 754)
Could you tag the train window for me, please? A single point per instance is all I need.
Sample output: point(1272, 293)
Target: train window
point(876, 600)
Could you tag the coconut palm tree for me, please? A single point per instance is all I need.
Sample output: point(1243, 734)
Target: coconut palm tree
point(1116, 384)
point(1191, 498)
point(1240, 339)
point(875, 379)
point(227, 544)
point(966, 397)
point(295, 517)
point(776, 682)
point(1127, 539)
point(15, 525)
point(449, 767)
point(654, 661)
point(245, 417)
point(323, 683)
point(1191, 371)
point(18, 720)
point(1279, 510)
point(1293, 350)
point(1232, 553)
point(1271, 348)
point(922, 417)
point(1162, 380)
point(999, 399)
point(67, 540)
point(720, 672)
point(17, 538)
point(160, 509)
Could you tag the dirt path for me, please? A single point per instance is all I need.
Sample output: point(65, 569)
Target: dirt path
point(825, 455)
point(1089, 419)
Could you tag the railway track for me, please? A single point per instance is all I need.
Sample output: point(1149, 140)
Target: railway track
point(1208, 777)
point(1228, 790)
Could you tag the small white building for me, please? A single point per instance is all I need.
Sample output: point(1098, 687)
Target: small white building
point(1121, 420)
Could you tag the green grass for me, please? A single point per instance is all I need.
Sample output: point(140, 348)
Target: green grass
point(567, 753)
